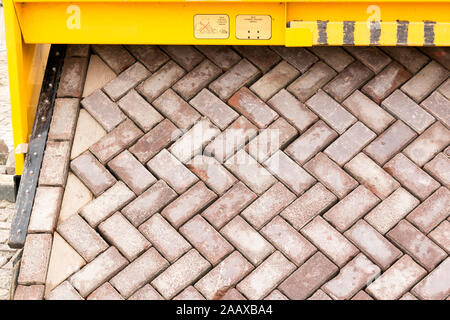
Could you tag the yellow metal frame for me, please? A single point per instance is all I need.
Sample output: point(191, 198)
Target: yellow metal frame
point(33, 24)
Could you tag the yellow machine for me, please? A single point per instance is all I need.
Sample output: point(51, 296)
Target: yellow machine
point(32, 25)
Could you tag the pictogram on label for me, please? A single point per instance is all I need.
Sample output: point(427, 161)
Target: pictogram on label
point(211, 26)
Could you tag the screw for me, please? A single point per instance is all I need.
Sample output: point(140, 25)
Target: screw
point(54, 69)
point(50, 85)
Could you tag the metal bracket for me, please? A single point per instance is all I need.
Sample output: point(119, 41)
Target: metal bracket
point(36, 147)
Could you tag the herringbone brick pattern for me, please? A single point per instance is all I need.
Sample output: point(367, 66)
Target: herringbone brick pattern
point(245, 173)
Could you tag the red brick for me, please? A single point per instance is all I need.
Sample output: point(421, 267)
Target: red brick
point(268, 205)
point(95, 273)
point(112, 200)
point(190, 293)
point(435, 286)
point(398, 279)
point(439, 168)
point(35, 292)
point(352, 208)
point(292, 110)
point(428, 144)
point(410, 57)
point(44, 214)
point(239, 75)
point(319, 295)
point(276, 295)
point(155, 140)
point(167, 167)
point(350, 143)
point(187, 56)
point(361, 295)
point(300, 58)
point(35, 258)
point(313, 202)
point(330, 241)
point(224, 276)
point(417, 245)
point(440, 54)
point(188, 204)
point(147, 292)
point(373, 244)
point(391, 210)
point(139, 272)
point(308, 278)
point(77, 50)
point(212, 173)
point(215, 109)
point(64, 119)
point(288, 240)
point(150, 56)
point(197, 79)
point(438, 106)
point(249, 105)
point(352, 78)
point(354, 276)
point(368, 112)
point(176, 109)
point(266, 277)
point(290, 173)
point(72, 77)
point(223, 56)
point(105, 292)
point(139, 110)
point(262, 57)
point(392, 77)
point(407, 110)
point(250, 172)
point(425, 81)
point(117, 57)
point(121, 137)
point(64, 291)
point(336, 57)
point(411, 176)
point(444, 89)
point(372, 57)
point(85, 240)
point(55, 164)
point(124, 236)
point(106, 112)
point(305, 86)
point(331, 112)
point(164, 237)
point(206, 239)
point(229, 205)
point(127, 80)
point(232, 139)
point(148, 203)
point(160, 81)
point(269, 140)
point(181, 274)
point(193, 141)
point(274, 80)
point(232, 294)
point(310, 142)
point(370, 175)
point(441, 235)
point(390, 142)
point(132, 172)
point(408, 296)
point(432, 211)
point(331, 175)
point(249, 242)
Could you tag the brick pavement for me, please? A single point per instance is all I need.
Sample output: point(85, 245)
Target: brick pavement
point(244, 173)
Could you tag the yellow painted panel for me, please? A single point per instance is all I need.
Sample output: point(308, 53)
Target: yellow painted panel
point(138, 23)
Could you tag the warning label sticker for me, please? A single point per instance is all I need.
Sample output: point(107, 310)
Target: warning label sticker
point(211, 26)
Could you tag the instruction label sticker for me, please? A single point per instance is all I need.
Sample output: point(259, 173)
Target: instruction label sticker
point(211, 26)
point(253, 27)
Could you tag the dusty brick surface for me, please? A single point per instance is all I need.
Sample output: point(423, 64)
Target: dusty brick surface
point(176, 190)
